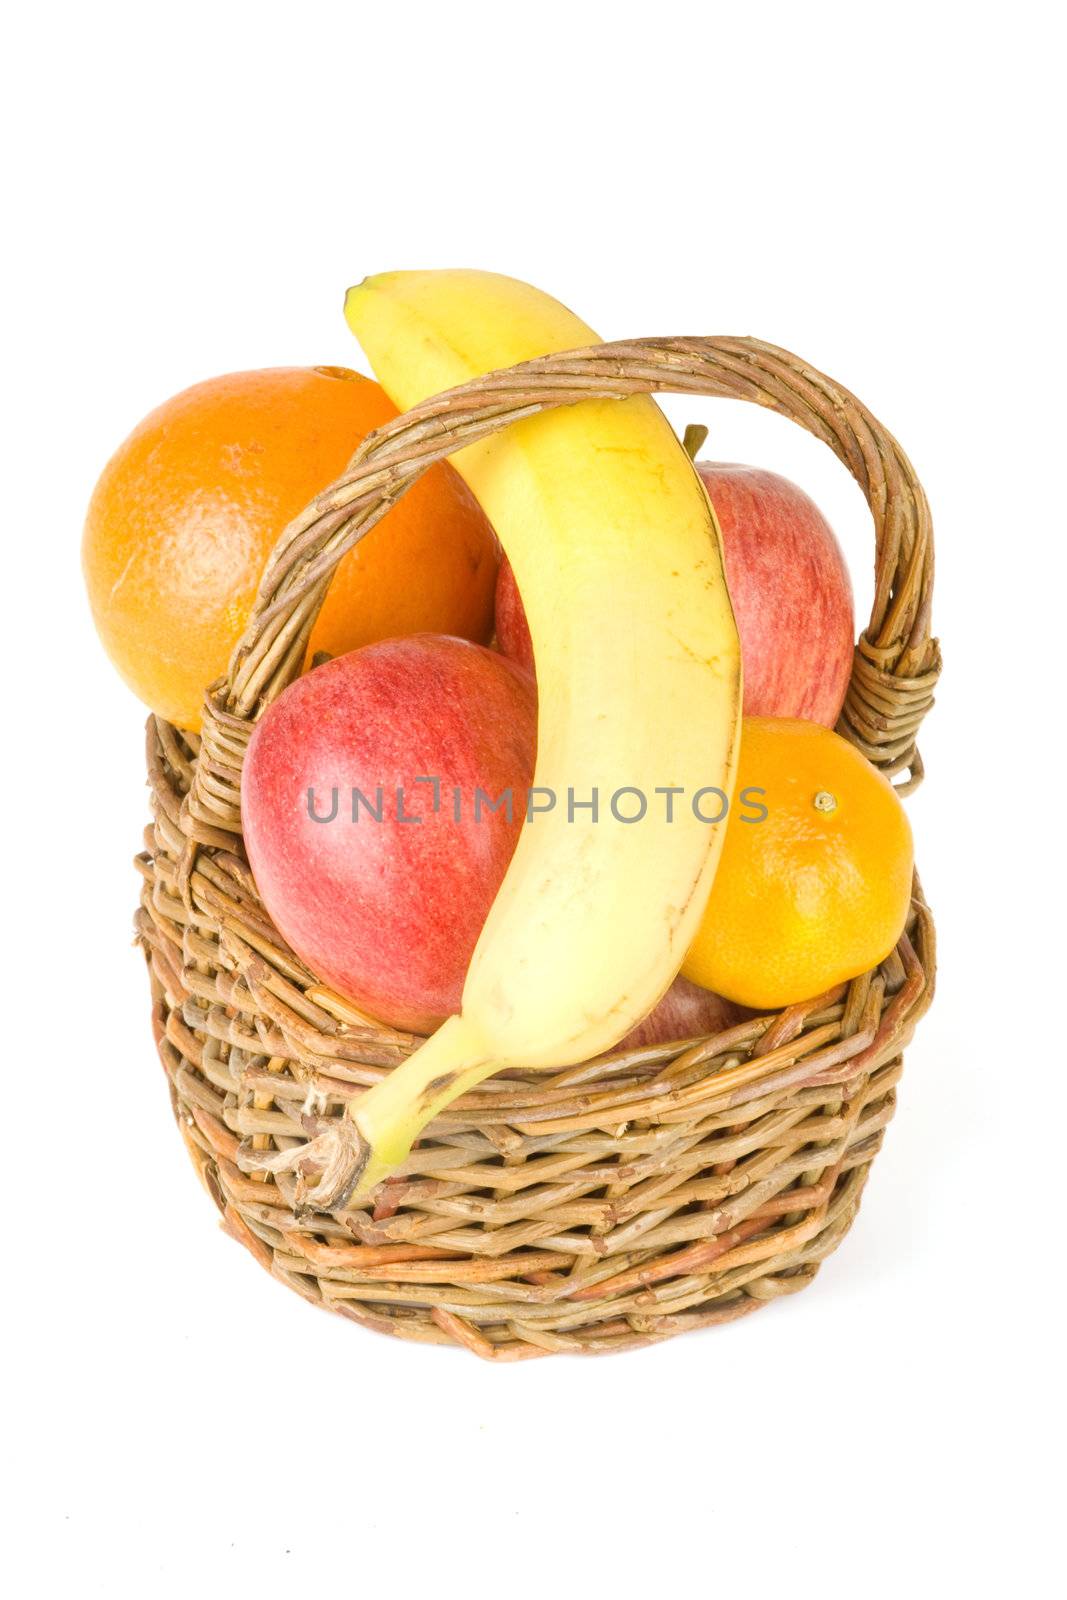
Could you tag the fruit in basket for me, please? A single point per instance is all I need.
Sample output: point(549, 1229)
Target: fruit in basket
point(686, 1012)
point(512, 629)
point(642, 693)
point(791, 593)
point(790, 588)
point(187, 511)
point(817, 891)
point(387, 910)
point(593, 917)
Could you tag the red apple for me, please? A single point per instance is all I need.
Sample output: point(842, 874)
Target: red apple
point(791, 593)
point(512, 629)
point(685, 1012)
point(790, 589)
point(388, 911)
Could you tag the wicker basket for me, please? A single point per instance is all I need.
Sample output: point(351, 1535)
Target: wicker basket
point(621, 1201)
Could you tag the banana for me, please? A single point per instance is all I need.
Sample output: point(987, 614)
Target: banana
point(618, 559)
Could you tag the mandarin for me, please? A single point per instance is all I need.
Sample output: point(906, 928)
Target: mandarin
point(818, 890)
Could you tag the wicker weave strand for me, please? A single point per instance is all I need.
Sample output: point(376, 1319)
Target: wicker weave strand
point(618, 1202)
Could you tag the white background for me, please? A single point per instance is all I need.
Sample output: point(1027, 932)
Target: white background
point(191, 189)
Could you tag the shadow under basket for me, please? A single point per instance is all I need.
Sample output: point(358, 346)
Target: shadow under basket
point(617, 1202)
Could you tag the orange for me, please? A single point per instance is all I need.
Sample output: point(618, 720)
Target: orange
point(187, 511)
point(818, 890)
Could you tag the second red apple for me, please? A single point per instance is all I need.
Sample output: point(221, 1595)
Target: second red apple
point(790, 589)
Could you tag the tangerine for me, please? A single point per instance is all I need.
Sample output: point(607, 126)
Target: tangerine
point(817, 890)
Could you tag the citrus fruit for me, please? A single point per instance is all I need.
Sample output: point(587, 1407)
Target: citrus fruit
point(815, 892)
point(189, 508)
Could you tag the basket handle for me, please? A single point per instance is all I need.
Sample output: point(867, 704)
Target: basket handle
point(896, 662)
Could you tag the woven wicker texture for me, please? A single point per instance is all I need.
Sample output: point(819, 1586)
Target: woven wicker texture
point(621, 1201)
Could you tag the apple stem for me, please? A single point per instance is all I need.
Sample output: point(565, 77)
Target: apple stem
point(693, 439)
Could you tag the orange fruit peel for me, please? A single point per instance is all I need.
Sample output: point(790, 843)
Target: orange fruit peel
point(187, 511)
point(818, 890)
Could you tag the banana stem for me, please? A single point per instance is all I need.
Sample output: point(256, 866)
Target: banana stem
point(389, 1118)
